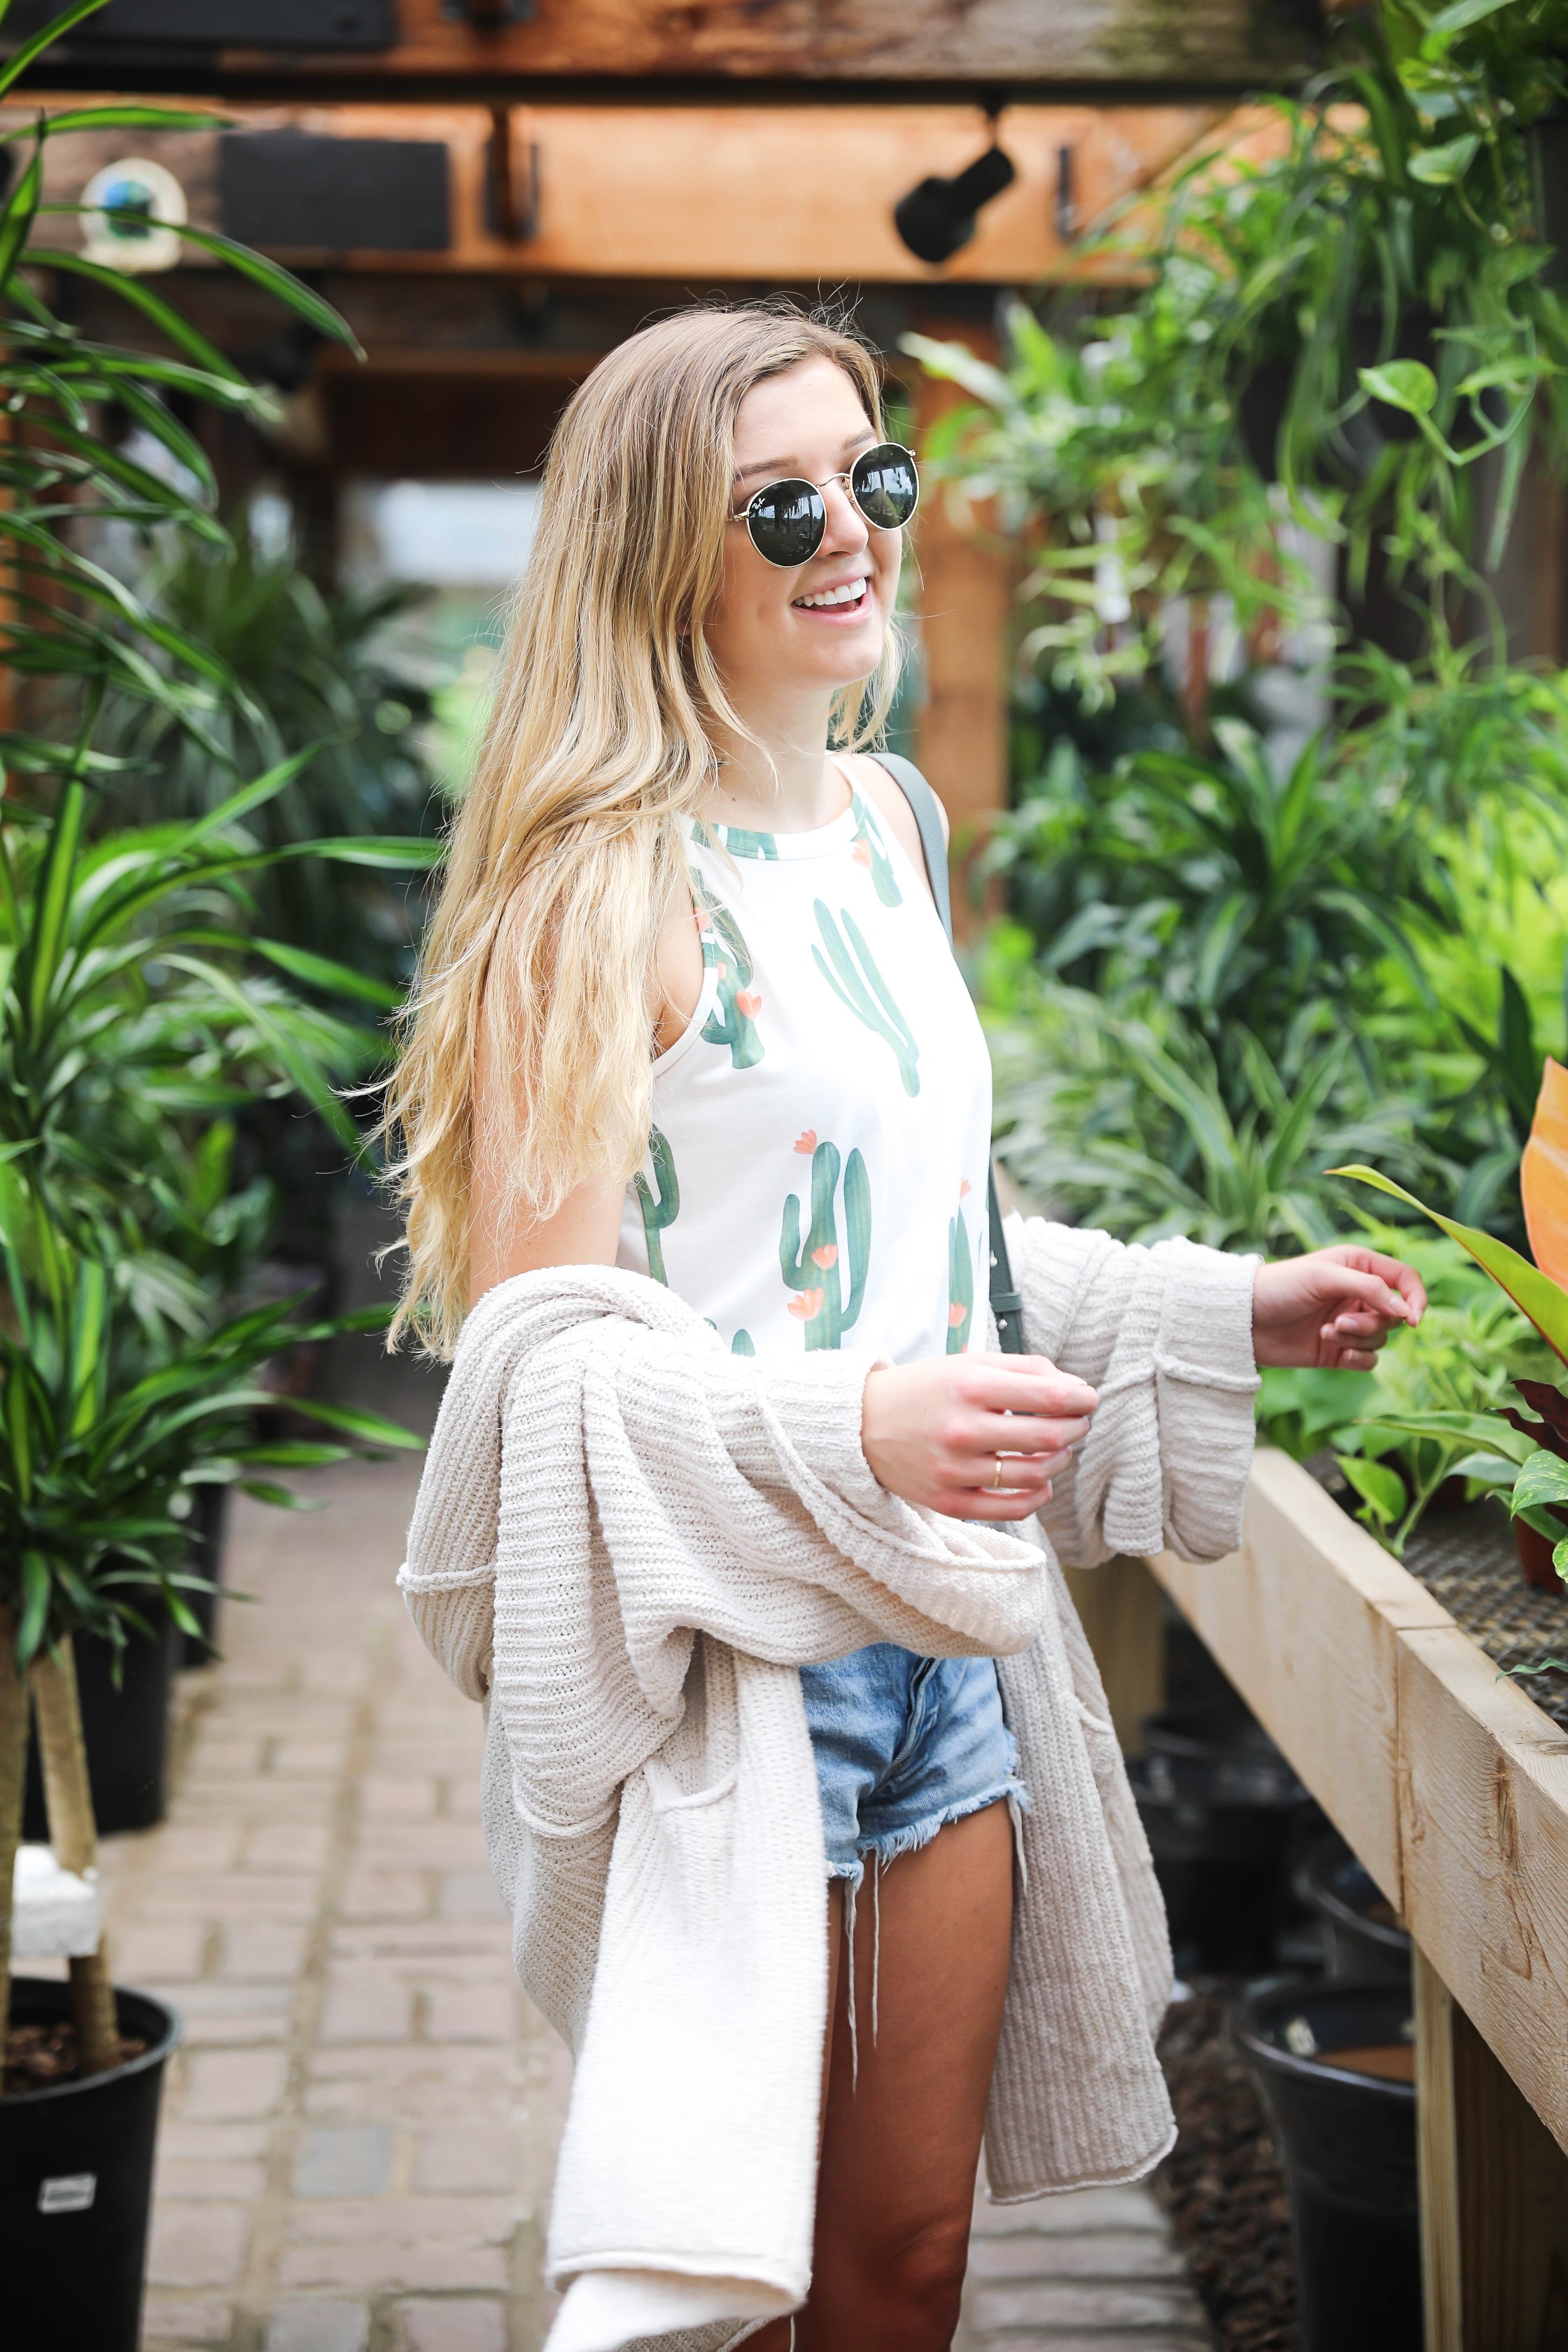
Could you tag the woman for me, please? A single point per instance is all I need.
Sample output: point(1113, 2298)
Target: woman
point(686, 1011)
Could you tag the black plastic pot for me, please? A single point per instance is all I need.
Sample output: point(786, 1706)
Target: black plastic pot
point(208, 1525)
point(76, 2186)
point(1363, 1927)
point(1221, 1809)
point(127, 1731)
point(1347, 2139)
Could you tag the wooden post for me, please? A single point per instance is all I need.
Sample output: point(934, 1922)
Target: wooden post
point(964, 600)
point(1122, 1613)
point(68, 1800)
point(1494, 2192)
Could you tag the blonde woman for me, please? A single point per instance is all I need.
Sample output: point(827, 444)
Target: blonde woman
point(695, 1121)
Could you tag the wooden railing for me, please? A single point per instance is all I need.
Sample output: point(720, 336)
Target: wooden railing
point(1452, 1786)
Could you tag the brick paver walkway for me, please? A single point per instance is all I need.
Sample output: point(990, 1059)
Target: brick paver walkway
point(358, 2136)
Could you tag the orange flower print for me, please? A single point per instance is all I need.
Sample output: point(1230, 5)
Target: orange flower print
point(827, 1255)
point(806, 1141)
point(861, 853)
point(749, 1001)
point(965, 1187)
point(957, 1315)
point(808, 1304)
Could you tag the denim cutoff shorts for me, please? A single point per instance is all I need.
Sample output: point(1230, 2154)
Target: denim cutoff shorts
point(903, 1745)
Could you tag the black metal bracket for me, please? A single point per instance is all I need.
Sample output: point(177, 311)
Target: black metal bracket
point(511, 200)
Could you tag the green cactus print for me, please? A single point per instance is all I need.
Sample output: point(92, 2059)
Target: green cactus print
point(733, 1021)
point(742, 844)
point(741, 1345)
point(661, 1209)
point(869, 850)
point(870, 1003)
point(815, 1272)
point(960, 1284)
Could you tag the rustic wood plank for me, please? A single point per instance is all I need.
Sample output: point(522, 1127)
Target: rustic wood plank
point(1494, 2192)
point(1122, 1613)
point(963, 598)
point(1305, 1621)
point(1483, 1804)
point(1436, 2157)
point(716, 194)
point(1208, 42)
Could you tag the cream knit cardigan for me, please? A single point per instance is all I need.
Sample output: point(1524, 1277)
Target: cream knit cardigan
point(626, 1541)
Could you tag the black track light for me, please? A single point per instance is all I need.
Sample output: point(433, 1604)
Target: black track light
point(938, 217)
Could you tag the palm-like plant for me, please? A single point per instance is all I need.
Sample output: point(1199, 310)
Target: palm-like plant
point(135, 1007)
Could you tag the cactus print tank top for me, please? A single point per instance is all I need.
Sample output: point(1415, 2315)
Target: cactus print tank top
point(815, 1175)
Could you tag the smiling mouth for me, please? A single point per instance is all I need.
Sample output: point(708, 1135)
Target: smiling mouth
point(846, 601)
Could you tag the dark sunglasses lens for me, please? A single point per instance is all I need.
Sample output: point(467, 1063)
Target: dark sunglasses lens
point(886, 486)
point(787, 521)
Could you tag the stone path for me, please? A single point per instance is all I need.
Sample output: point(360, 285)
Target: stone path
point(358, 2135)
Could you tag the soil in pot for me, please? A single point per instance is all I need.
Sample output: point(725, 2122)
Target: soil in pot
point(76, 2177)
point(1334, 2066)
point(1367, 1936)
point(126, 1728)
point(1223, 2186)
point(1223, 1814)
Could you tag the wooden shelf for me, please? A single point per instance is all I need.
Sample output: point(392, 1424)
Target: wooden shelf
point(1452, 1786)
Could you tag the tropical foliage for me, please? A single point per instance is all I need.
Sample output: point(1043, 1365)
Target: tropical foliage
point(140, 1004)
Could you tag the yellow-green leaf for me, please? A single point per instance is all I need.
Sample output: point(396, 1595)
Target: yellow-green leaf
point(1532, 1292)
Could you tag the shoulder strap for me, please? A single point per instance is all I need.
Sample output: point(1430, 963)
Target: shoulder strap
point(1007, 1304)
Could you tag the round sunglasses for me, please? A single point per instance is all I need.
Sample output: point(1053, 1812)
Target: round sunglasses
point(787, 519)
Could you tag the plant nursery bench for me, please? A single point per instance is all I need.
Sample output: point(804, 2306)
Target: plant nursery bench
point(1451, 1784)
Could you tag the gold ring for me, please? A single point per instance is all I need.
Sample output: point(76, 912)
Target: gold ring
point(996, 1481)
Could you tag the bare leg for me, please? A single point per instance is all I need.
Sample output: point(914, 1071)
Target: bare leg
point(901, 2146)
point(777, 2337)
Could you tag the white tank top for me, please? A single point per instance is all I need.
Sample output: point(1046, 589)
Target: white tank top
point(816, 1172)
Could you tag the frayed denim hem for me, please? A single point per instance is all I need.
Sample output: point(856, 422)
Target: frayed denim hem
point(916, 1834)
point(883, 1850)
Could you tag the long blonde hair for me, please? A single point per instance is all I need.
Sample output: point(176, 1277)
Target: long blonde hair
point(567, 848)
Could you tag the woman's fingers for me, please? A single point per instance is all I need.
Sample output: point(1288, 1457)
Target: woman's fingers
point(1024, 1384)
point(1004, 1506)
point(993, 1433)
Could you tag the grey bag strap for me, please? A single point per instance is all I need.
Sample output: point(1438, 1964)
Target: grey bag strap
point(1007, 1304)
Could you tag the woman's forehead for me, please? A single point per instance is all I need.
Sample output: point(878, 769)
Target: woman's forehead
point(810, 404)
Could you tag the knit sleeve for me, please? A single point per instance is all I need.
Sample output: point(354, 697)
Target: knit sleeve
point(1164, 1334)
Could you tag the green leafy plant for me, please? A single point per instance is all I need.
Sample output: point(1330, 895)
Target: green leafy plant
point(1364, 307)
point(315, 671)
point(1538, 1486)
point(135, 1007)
point(1117, 1115)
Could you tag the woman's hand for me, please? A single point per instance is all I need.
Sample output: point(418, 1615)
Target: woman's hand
point(935, 1432)
point(1333, 1307)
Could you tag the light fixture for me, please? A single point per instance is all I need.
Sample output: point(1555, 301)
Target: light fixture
point(131, 215)
point(937, 218)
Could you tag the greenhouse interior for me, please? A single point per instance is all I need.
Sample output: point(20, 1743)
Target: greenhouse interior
point(445, 446)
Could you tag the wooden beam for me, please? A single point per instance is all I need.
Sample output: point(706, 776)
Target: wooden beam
point(963, 598)
point(1208, 42)
point(1446, 1778)
point(701, 196)
point(1494, 2192)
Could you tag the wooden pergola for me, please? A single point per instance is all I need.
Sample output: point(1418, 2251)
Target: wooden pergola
point(496, 191)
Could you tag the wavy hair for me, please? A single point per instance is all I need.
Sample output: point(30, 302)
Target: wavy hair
point(567, 848)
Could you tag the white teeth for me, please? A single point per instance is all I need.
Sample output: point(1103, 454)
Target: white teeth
point(846, 595)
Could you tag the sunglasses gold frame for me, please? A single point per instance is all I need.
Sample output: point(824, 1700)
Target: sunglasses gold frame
point(847, 476)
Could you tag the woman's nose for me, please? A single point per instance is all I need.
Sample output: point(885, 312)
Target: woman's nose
point(845, 531)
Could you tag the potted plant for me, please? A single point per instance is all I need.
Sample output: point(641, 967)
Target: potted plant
point(136, 1008)
point(1523, 1453)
